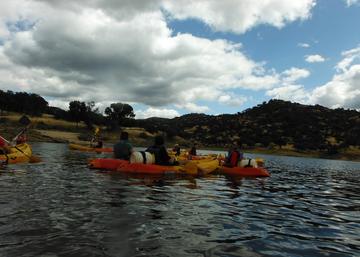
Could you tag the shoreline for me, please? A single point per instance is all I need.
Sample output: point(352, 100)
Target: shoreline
point(58, 136)
point(71, 137)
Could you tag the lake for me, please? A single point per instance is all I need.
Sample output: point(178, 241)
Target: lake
point(308, 207)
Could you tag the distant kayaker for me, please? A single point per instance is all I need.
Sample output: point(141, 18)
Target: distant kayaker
point(176, 149)
point(96, 141)
point(160, 152)
point(234, 155)
point(193, 150)
point(123, 149)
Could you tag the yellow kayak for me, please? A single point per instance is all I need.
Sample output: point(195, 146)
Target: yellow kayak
point(208, 166)
point(89, 149)
point(18, 154)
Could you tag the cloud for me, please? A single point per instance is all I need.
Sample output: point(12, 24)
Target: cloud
point(304, 45)
point(156, 112)
point(194, 108)
point(240, 16)
point(349, 57)
point(232, 100)
point(295, 93)
point(351, 2)
point(314, 58)
point(344, 88)
point(294, 74)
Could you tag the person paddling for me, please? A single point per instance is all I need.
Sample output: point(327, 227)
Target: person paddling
point(234, 155)
point(96, 142)
point(176, 149)
point(159, 151)
point(123, 149)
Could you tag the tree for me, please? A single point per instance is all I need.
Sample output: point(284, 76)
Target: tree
point(77, 111)
point(117, 113)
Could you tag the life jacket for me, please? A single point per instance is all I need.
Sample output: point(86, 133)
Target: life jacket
point(234, 157)
point(155, 150)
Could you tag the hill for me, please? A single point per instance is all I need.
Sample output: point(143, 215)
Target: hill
point(277, 126)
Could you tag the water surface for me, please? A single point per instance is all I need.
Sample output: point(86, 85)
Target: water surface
point(308, 207)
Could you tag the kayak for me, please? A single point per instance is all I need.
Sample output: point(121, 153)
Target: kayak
point(18, 154)
point(141, 168)
point(244, 171)
point(206, 166)
point(90, 149)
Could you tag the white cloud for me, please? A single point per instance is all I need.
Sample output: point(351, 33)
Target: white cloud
point(314, 58)
point(240, 16)
point(232, 100)
point(344, 88)
point(295, 93)
point(294, 74)
point(351, 2)
point(349, 57)
point(304, 45)
point(156, 112)
point(194, 108)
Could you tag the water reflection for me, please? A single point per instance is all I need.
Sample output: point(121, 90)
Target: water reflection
point(308, 207)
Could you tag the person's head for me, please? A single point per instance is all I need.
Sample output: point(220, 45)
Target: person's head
point(237, 143)
point(176, 145)
point(159, 140)
point(124, 135)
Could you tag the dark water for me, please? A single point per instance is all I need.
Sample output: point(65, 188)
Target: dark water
point(308, 207)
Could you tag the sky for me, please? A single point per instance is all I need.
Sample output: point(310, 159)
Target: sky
point(167, 58)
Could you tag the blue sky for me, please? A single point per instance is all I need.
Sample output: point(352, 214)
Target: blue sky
point(168, 58)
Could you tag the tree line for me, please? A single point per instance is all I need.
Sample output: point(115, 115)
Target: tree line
point(273, 123)
point(32, 104)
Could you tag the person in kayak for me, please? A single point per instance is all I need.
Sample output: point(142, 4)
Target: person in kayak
point(21, 139)
point(159, 151)
point(234, 155)
point(96, 141)
point(176, 149)
point(123, 149)
point(192, 151)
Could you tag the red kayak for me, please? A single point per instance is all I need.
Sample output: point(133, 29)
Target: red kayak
point(244, 171)
point(126, 166)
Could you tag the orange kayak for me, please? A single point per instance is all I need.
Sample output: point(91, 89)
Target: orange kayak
point(90, 149)
point(244, 171)
point(126, 166)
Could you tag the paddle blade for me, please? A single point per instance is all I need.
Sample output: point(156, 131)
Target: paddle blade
point(34, 159)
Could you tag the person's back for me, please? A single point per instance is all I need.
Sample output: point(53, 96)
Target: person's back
point(159, 151)
point(123, 149)
point(193, 150)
